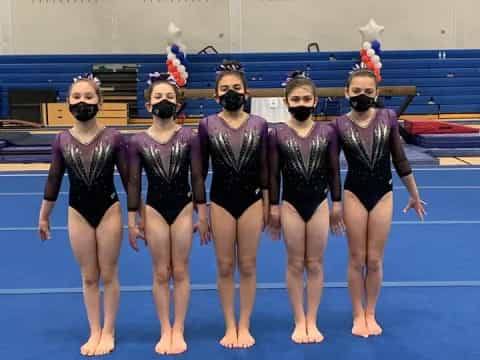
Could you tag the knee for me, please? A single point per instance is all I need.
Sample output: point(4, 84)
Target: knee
point(90, 279)
point(247, 266)
point(108, 274)
point(314, 266)
point(296, 266)
point(374, 264)
point(180, 272)
point(226, 268)
point(358, 260)
point(162, 274)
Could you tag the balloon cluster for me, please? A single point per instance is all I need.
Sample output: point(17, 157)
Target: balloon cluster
point(177, 63)
point(370, 55)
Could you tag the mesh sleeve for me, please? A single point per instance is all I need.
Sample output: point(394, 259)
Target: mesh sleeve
point(274, 164)
point(197, 179)
point(134, 176)
point(263, 160)
point(334, 167)
point(55, 173)
point(203, 145)
point(121, 158)
point(400, 161)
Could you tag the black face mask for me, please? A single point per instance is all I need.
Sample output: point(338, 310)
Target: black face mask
point(301, 113)
point(164, 109)
point(83, 112)
point(232, 100)
point(361, 102)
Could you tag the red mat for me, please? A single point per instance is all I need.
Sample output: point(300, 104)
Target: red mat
point(436, 127)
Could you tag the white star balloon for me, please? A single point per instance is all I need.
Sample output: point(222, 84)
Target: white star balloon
point(174, 33)
point(371, 31)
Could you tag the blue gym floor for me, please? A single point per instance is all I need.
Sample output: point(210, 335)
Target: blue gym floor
point(427, 306)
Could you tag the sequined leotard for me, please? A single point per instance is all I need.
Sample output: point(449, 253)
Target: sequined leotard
point(167, 167)
point(239, 161)
point(368, 152)
point(309, 166)
point(90, 170)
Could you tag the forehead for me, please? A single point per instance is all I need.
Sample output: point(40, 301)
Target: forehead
point(83, 86)
point(363, 82)
point(303, 90)
point(230, 79)
point(163, 88)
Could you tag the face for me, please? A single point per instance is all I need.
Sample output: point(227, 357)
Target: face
point(160, 92)
point(301, 96)
point(83, 91)
point(230, 82)
point(362, 85)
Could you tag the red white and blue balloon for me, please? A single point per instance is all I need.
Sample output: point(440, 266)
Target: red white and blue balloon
point(371, 47)
point(177, 63)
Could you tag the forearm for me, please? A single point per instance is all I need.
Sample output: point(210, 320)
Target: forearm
point(46, 209)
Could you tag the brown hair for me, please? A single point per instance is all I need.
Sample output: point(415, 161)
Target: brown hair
point(298, 79)
point(92, 83)
point(148, 91)
point(230, 67)
point(361, 72)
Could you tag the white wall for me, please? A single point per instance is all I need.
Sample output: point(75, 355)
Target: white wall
point(140, 26)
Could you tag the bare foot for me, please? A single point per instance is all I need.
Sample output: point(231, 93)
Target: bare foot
point(88, 349)
point(230, 339)
point(163, 345)
point(314, 335)
point(299, 334)
point(360, 326)
point(245, 339)
point(373, 326)
point(178, 343)
point(106, 344)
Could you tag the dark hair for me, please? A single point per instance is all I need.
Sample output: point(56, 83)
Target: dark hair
point(91, 82)
point(297, 79)
point(148, 91)
point(361, 72)
point(230, 67)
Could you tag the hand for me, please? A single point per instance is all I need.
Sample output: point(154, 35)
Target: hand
point(204, 230)
point(275, 225)
point(44, 229)
point(418, 205)
point(134, 233)
point(337, 226)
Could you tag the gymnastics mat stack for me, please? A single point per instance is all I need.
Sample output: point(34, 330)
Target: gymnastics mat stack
point(438, 134)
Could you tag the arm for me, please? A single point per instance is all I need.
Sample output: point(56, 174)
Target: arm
point(203, 147)
point(274, 181)
point(336, 214)
point(121, 158)
point(134, 188)
point(198, 188)
point(52, 188)
point(263, 173)
point(403, 169)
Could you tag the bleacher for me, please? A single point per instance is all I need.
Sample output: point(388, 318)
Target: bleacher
point(451, 85)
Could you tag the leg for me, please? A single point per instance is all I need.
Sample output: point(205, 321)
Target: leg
point(317, 235)
point(356, 218)
point(83, 242)
point(294, 233)
point(109, 240)
point(224, 235)
point(182, 233)
point(157, 232)
point(249, 231)
point(379, 222)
